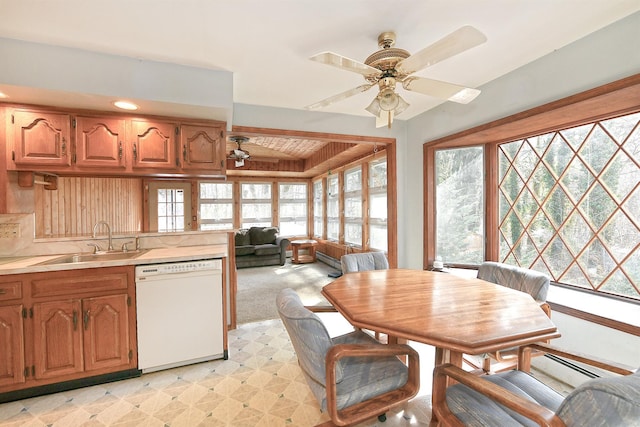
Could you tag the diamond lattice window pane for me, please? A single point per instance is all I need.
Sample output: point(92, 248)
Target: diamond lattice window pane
point(597, 206)
point(575, 276)
point(557, 257)
point(621, 127)
point(576, 233)
point(558, 207)
point(511, 149)
point(598, 149)
point(632, 205)
point(541, 230)
point(512, 185)
point(526, 206)
point(525, 161)
point(577, 179)
point(597, 262)
point(621, 176)
point(632, 267)
point(620, 235)
point(558, 156)
point(540, 143)
point(512, 228)
point(541, 182)
point(525, 252)
point(618, 284)
point(576, 136)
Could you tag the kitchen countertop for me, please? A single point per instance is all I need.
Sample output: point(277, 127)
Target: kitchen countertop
point(33, 264)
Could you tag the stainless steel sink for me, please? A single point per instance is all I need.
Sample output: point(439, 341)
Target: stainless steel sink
point(106, 256)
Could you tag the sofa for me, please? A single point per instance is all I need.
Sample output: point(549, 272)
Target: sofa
point(260, 246)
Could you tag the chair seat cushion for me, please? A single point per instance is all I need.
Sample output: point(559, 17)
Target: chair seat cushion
point(612, 402)
point(474, 409)
point(364, 377)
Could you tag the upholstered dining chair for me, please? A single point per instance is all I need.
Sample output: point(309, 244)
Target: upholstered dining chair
point(364, 261)
point(352, 376)
point(521, 279)
point(515, 398)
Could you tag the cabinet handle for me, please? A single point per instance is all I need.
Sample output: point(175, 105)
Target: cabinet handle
point(64, 146)
point(120, 150)
point(184, 153)
point(135, 152)
point(75, 320)
point(86, 320)
point(3, 291)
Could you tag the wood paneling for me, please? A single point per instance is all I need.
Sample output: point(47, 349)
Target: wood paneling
point(79, 203)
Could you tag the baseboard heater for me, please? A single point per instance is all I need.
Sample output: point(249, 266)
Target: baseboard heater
point(572, 365)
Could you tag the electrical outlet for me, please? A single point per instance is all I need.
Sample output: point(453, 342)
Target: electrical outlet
point(9, 231)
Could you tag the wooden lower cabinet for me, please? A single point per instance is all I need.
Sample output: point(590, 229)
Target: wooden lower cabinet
point(66, 326)
point(12, 344)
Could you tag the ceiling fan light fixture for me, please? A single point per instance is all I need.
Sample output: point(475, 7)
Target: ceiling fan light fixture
point(389, 100)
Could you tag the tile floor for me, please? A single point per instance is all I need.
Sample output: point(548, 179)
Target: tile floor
point(260, 385)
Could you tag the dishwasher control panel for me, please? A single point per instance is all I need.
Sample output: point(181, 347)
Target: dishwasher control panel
point(178, 267)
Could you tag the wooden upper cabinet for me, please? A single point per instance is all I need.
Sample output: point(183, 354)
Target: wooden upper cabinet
point(153, 144)
point(41, 138)
point(203, 148)
point(100, 142)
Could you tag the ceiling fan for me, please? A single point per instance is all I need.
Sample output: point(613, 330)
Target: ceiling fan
point(238, 154)
point(391, 65)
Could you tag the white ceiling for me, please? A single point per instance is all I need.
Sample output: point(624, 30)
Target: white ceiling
point(266, 44)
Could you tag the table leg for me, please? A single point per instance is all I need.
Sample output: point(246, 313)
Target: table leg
point(294, 254)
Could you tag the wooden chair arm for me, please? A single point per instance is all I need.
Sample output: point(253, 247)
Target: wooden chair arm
point(539, 414)
point(607, 365)
point(321, 308)
point(381, 403)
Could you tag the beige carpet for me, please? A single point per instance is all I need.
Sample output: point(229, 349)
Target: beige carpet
point(258, 287)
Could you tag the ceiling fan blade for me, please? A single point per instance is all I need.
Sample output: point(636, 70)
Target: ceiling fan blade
point(457, 42)
point(442, 90)
point(339, 97)
point(345, 63)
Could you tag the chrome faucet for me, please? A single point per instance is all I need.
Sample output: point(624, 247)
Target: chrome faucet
point(95, 229)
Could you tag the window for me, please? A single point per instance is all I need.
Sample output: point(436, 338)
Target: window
point(293, 209)
point(459, 180)
point(569, 205)
point(255, 201)
point(378, 204)
point(169, 206)
point(353, 206)
point(216, 206)
point(318, 211)
point(333, 208)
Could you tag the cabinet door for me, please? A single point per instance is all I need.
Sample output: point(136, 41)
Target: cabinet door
point(106, 332)
point(12, 345)
point(57, 338)
point(41, 138)
point(100, 142)
point(154, 145)
point(203, 148)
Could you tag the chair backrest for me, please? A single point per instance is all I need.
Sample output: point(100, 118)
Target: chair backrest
point(364, 261)
point(308, 334)
point(610, 401)
point(531, 282)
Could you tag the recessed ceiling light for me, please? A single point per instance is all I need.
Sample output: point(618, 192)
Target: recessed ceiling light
point(125, 105)
point(3, 95)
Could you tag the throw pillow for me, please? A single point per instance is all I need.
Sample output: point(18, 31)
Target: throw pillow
point(243, 238)
point(263, 235)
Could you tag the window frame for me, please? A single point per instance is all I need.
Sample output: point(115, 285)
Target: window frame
point(205, 201)
point(604, 102)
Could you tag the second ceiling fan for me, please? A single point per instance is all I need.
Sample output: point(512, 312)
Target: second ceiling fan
point(389, 66)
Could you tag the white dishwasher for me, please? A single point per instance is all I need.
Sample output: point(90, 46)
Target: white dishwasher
point(179, 314)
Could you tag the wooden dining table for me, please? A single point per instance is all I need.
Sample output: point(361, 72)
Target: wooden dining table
point(457, 315)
